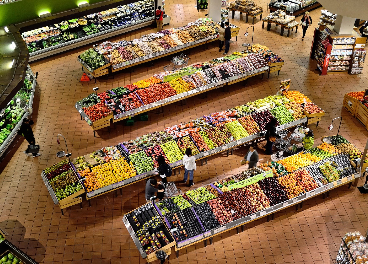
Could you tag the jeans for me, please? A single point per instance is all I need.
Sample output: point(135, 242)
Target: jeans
point(221, 44)
point(227, 45)
point(304, 31)
point(190, 174)
point(269, 147)
point(159, 25)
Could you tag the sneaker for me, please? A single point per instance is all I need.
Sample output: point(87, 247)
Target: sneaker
point(37, 155)
point(225, 53)
point(190, 185)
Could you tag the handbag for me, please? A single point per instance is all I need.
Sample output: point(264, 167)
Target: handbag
point(303, 24)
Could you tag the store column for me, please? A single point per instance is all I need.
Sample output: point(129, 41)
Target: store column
point(344, 24)
point(214, 10)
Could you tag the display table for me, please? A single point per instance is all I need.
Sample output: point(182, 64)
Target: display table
point(295, 7)
point(356, 105)
point(253, 16)
point(20, 109)
point(280, 18)
point(205, 209)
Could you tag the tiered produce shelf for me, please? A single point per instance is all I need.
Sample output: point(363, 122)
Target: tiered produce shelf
point(202, 214)
point(11, 117)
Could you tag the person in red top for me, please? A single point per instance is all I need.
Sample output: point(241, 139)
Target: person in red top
point(159, 18)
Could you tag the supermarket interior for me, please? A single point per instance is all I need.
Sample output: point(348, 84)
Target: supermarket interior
point(94, 92)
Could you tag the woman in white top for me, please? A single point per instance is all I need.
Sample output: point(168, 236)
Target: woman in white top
point(189, 166)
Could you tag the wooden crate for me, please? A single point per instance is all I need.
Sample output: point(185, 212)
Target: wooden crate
point(314, 120)
point(365, 165)
point(103, 122)
point(314, 115)
point(167, 249)
point(350, 104)
point(362, 113)
point(71, 202)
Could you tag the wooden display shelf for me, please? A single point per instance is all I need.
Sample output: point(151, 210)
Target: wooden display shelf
point(300, 11)
point(350, 104)
point(233, 10)
point(362, 114)
point(314, 120)
point(70, 202)
point(275, 67)
point(167, 249)
point(314, 115)
point(103, 122)
point(283, 26)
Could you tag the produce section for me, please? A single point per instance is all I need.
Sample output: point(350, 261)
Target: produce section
point(248, 7)
point(204, 212)
point(114, 167)
point(171, 86)
point(123, 54)
point(16, 111)
point(78, 31)
point(279, 17)
point(294, 7)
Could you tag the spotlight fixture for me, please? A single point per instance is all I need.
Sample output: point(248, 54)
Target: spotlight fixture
point(44, 14)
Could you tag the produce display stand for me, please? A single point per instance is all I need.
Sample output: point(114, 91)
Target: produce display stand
point(7, 247)
point(314, 118)
point(275, 67)
point(163, 54)
point(253, 16)
point(320, 188)
point(68, 201)
point(300, 11)
point(104, 70)
point(352, 249)
point(152, 256)
point(357, 109)
point(283, 26)
point(7, 142)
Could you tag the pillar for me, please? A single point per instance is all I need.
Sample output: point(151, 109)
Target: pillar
point(214, 10)
point(344, 25)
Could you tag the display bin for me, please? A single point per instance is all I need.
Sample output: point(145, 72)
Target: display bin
point(103, 70)
point(314, 115)
point(361, 113)
point(103, 122)
point(350, 104)
point(275, 67)
point(7, 247)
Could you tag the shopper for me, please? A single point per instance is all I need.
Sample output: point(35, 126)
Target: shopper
point(270, 135)
point(151, 189)
point(189, 166)
point(164, 169)
point(227, 37)
point(25, 130)
point(221, 36)
point(306, 21)
point(308, 140)
point(159, 18)
point(251, 157)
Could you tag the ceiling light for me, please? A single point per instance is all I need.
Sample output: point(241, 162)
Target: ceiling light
point(13, 45)
point(6, 29)
point(44, 14)
point(83, 4)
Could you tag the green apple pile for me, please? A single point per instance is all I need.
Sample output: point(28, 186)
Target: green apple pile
point(208, 141)
point(282, 115)
point(142, 163)
point(181, 202)
point(200, 195)
point(80, 163)
point(269, 102)
point(172, 151)
point(237, 130)
point(1, 238)
point(68, 190)
point(319, 153)
point(329, 171)
point(10, 259)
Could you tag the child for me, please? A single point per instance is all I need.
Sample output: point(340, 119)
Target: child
point(189, 166)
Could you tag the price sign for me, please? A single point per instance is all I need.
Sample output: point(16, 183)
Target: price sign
point(338, 182)
point(223, 148)
point(285, 204)
point(350, 178)
point(205, 153)
point(238, 142)
point(220, 229)
point(353, 176)
point(253, 216)
point(262, 213)
point(343, 180)
point(295, 199)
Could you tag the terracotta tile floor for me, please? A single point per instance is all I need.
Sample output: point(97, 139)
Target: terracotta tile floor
point(96, 234)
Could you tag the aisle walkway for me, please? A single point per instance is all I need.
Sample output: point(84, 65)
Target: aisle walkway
point(96, 234)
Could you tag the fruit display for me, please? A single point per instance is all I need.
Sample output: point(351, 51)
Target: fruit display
point(200, 195)
point(223, 216)
point(297, 161)
point(187, 142)
point(273, 190)
point(277, 168)
point(207, 140)
point(338, 139)
point(291, 186)
point(57, 169)
point(237, 130)
point(269, 56)
point(155, 152)
point(9, 258)
point(224, 183)
point(217, 136)
point(315, 172)
point(296, 110)
point(297, 97)
point(141, 162)
point(107, 174)
point(328, 148)
point(249, 124)
point(206, 216)
point(282, 114)
point(200, 141)
point(80, 28)
point(357, 95)
point(319, 153)
point(181, 202)
point(172, 151)
point(262, 118)
point(248, 173)
point(97, 111)
point(350, 150)
point(149, 228)
point(186, 224)
point(311, 108)
point(330, 172)
point(305, 180)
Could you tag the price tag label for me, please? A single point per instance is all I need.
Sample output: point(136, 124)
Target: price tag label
point(205, 153)
point(353, 176)
point(238, 142)
point(338, 182)
point(295, 199)
point(223, 148)
point(343, 180)
point(285, 204)
point(218, 230)
point(262, 213)
point(350, 178)
point(253, 216)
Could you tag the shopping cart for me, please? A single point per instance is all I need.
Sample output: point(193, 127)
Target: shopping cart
point(171, 190)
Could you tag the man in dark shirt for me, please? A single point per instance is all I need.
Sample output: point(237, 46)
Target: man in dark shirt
point(151, 189)
point(25, 130)
point(227, 38)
